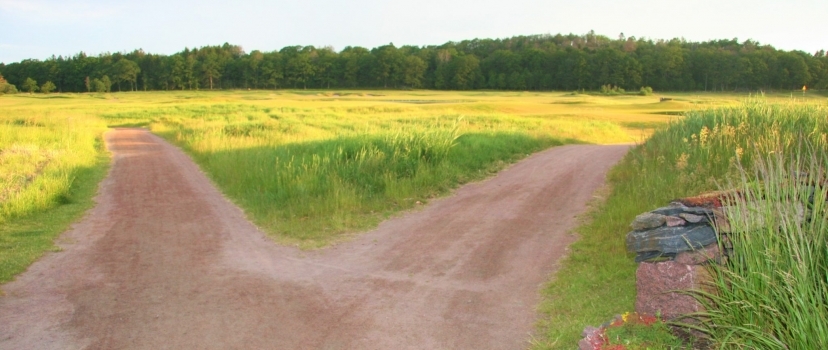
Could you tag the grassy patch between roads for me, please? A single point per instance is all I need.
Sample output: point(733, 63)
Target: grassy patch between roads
point(695, 154)
point(313, 175)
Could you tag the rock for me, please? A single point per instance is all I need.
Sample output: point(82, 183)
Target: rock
point(676, 208)
point(673, 221)
point(653, 256)
point(593, 339)
point(656, 284)
point(692, 218)
point(647, 221)
point(701, 256)
point(671, 239)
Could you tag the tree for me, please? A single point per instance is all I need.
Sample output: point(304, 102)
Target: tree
point(87, 83)
point(413, 69)
point(98, 85)
point(107, 83)
point(271, 70)
point(210, 68)
point(30, 85)
point(298, 69)
point(125, 70)
point(48, 87)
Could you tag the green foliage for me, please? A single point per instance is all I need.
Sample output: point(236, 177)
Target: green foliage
point(50, 165)
point(611, 90)
point(125, 71)
point(645, 91)
point(47, 87)
point(538, 62)
point(6, 88)
point(30, 85)
point(641, 336)
point(771, 293)
point(693, 155)
point(98, 85)
point(107, 83)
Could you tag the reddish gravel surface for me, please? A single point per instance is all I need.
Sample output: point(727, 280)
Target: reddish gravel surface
point(165, 262)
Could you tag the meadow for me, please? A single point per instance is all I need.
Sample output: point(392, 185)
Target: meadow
point(294, 160)
point(315, 167)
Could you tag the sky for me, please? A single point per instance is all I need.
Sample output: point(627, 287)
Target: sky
point(39, 29)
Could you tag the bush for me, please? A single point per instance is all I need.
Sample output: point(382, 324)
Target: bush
point(608, 89)
point(47, 87)
point(645, 91)
point(6, 88)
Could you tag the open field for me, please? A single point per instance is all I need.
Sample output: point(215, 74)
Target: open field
point(292, 139)
point(314, 167)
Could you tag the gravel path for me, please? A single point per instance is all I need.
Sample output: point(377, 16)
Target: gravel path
point(164, 261)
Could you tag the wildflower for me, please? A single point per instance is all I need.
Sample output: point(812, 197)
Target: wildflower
point(703, 134)
point(681, 163)
point(739, 152)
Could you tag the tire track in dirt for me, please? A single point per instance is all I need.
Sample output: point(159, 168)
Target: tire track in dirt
point(165, 262)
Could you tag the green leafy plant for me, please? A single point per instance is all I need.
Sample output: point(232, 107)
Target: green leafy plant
point(640, 332)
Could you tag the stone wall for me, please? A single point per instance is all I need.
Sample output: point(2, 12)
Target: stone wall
point(673, 244)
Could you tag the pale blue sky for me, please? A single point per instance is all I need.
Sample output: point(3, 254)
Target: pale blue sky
point(40, 28)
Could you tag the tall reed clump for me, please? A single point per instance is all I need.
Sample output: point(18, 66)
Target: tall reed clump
point(692, 155)
point(772, 292)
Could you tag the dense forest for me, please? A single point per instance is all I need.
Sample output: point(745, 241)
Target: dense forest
point(538, 62)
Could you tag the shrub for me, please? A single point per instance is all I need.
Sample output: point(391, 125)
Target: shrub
point(5, 87)
point(608, 89)
point(645, 91)
point(47, 87)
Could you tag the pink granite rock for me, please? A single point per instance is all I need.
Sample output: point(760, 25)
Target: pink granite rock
point(673, 221)
point(656, 283)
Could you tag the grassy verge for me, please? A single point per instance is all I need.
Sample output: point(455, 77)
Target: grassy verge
point(50, 167)
point(694, 154)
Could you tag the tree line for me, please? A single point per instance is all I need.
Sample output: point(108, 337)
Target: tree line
point(537, 62)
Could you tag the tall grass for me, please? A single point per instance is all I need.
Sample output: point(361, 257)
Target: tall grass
point(310, 176)
point(772, 293)
point(50, 164)
point(237, 135)
point(39, 155)
point(696, 153)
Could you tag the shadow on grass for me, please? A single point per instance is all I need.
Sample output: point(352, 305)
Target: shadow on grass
point(24, 239)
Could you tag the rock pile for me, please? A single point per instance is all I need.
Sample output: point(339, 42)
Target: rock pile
point(672, 244)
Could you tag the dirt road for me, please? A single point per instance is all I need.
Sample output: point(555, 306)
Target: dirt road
point(165, 262)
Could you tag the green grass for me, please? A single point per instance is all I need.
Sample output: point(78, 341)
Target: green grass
point(311, 176)
point(695, 154)
point(50, 166)
point(773, 291)
point(52, 158)
point(311, 167)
